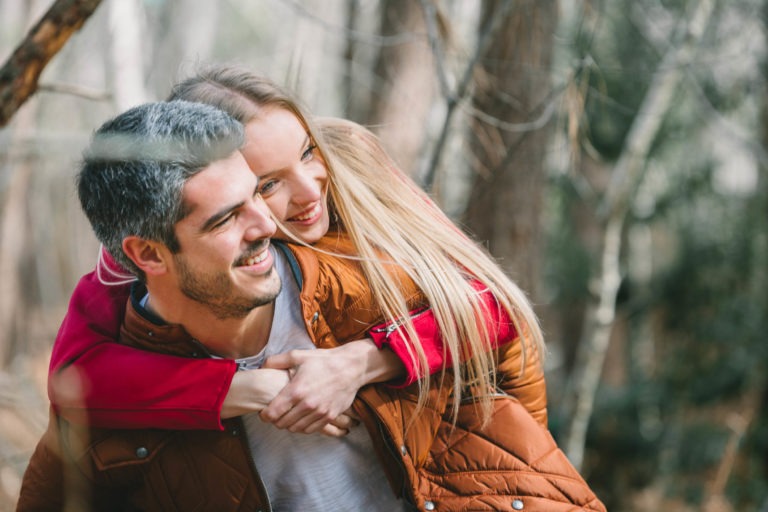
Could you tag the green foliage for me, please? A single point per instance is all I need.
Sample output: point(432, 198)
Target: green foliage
point(568, 262)
point(624, 64)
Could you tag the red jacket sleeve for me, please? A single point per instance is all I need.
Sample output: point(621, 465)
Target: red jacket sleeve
point(94, 379)
point(385, 335)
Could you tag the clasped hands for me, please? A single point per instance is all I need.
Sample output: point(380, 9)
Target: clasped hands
point(309, 391)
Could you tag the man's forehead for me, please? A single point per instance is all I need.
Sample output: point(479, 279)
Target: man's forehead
point(221, 184)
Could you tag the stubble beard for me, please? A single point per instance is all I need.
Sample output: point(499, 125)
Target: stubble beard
point(217, 292)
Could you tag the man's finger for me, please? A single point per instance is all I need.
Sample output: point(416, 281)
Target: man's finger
point(280, 361)
point(333, 431)
point(344, 421)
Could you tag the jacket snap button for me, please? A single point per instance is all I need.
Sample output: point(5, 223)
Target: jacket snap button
point(517, 504)
point(315, 317)
point(429, 505)
point(141, 452)
point(404, 451)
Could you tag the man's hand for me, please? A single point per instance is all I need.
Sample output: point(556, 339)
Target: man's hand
point(324, 383)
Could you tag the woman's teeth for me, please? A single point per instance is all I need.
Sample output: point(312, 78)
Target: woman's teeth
point(308, 214)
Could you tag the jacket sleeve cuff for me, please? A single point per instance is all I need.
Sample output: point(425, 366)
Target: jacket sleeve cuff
point(386, 335)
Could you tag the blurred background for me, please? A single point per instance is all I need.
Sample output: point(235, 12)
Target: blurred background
point(610, 153)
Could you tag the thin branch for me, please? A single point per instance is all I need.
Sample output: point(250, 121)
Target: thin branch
point(435, 42)
point(361, 37)
point(76, 90)
point(651, 112)
point(536, 124)
point(453, 100)
point(21, 72)
point(627, 174)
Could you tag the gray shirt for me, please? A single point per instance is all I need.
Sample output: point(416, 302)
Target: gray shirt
point(312, 472)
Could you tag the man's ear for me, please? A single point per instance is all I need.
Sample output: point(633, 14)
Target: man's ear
point(149, 255)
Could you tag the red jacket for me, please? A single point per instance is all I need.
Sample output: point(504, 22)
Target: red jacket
point(111, 379)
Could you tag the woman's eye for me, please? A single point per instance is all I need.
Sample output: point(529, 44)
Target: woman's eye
point(267, 187)
point(309, 153)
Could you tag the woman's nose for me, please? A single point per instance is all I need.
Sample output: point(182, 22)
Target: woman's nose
point(306, 188)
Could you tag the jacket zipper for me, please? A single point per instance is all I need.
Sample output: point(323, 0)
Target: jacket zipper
point(392, 326)
point(241, 433)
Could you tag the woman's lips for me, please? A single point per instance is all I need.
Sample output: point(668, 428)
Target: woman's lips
point(309, 215)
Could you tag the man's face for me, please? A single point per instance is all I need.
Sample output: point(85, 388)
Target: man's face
point(224, 261)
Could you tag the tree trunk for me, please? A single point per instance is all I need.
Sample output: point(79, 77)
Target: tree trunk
point(512, 86)
point(626, 176)
point(21, 72)
point(405, 82)
point(127, 54)
point(189, 43)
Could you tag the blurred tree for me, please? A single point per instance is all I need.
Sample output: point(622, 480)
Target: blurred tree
point(127, 56)
point(615, 206)
point(182, 33)
point(404, 81)
point(512, 89)
point(20, 73)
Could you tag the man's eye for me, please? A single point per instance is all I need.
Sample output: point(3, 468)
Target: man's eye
point(223, 222)
point(309, 153)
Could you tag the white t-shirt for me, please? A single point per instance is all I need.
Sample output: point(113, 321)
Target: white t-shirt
point(312, 472)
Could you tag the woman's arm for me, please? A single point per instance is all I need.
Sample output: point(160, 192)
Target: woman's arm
point(358, 364)
point(498, 324)
point(94, 379)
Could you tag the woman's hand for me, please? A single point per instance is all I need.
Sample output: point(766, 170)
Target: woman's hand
point(324, 383)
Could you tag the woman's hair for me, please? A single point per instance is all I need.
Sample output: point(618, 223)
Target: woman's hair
point(385, 213)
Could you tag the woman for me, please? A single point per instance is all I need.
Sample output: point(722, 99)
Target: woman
point(437, 451)
point(367, 201)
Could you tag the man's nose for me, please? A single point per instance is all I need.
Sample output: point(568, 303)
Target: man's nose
point(260, 223)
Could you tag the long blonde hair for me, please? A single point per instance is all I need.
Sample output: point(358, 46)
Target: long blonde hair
point(384, 211)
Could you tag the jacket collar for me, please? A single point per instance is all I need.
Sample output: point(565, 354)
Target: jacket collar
point(144, 330)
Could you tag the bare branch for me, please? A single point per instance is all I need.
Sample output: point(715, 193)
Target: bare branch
point(487, 36)
point(76, 90)
point(626, 176)
point(536, 124)
point(435, 42)
point(21, 72)
point(648, 120)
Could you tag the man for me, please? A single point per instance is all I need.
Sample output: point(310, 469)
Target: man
point(171, 197)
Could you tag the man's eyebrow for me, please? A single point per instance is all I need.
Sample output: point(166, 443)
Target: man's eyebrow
point(216, 217)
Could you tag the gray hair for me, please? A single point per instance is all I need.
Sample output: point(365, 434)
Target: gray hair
point(134, 170)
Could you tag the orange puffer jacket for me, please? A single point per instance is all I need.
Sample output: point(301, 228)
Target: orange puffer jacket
point(431, 463)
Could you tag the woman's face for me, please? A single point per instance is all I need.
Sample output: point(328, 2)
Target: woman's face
point(293, 178)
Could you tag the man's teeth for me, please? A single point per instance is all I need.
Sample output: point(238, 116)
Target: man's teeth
point(308, 215)
point(253, 260)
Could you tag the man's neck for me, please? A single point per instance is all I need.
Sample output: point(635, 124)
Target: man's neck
point(231, 337)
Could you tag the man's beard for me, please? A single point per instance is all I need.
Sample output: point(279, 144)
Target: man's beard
point(217, 292)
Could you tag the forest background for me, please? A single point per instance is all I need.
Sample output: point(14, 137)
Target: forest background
point(610, 154)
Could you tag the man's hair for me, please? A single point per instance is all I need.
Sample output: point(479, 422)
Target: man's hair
point(134, 170)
